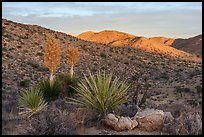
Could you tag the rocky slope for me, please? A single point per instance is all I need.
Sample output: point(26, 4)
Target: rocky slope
point(159, 45)
point(22, 60)
point(191, 45)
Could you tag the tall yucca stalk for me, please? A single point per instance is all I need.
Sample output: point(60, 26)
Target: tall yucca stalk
point(72, 58)
point(52, 57)
point(101, 93)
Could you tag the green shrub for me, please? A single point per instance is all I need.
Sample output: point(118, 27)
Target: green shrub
point(40, 54)
point(3, 31)
point(68, 84)
point(24, 83)
point(43, 69)
point(182, 89)
point(199, 89)
point(100, 93)
point(8, 36)
point(164, 76)
point(4, 49)
point(32, 101)
point(32, 64)
point(126, 63)
point(19, 46)
point(50, 93)
point(103, 55)
point(135, 77)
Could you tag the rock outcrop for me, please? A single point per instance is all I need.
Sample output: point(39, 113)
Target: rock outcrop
point(120, 123)
point(151, 119)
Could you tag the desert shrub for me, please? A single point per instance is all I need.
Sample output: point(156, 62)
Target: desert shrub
point(145, 79)
point(39, 54)
point(68, 84)
point(3, 31)
point(100, 93)
point(8, 36)
point(103, 55)
point(188, 123)
point(54, 121)
point(4, 49)
point(24, 83)
point(199, 89)
point(50, 92)
point(134, 77)
point(19, 46)
point(165, 76)
point(32, 101)
point(181, 89)
point(126, 63)
point(43, 69)
point(112, 49)
point(33, 64)
point(198, 55)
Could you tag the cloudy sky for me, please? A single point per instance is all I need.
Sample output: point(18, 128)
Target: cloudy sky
point(170, 19)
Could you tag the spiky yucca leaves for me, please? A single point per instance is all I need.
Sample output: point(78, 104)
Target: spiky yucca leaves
point(32, 101)
point(68, 84)
point(52, 57)
point(101, 93)
point(50, 92)
point(72, 58)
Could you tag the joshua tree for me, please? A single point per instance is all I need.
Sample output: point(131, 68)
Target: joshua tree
point(72, 58)
point(52, 57)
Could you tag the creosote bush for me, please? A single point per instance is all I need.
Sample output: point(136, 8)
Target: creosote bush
point(100, 93)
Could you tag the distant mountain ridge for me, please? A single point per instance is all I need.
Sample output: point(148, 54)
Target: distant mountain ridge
point(192, 45)
point(160, 45)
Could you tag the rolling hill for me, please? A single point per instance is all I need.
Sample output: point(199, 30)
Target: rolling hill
point(159, 45)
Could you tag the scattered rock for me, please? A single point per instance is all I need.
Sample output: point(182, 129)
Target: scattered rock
point(151, 119)
point(120, 123)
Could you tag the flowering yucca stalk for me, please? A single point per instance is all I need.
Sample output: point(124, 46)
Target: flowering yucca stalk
point(52, 57)
point(72, 58)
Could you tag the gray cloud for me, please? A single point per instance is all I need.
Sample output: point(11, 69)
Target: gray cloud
point(170, 20)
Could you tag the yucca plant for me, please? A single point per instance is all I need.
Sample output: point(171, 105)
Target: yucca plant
point(50, 92)
point(100, 93)
point(32, 101)
point(68, 84)
point(52, 57)
point(72, 58)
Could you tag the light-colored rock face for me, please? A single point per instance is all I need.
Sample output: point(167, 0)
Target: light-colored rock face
point(151, 119)
point(120, 123)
